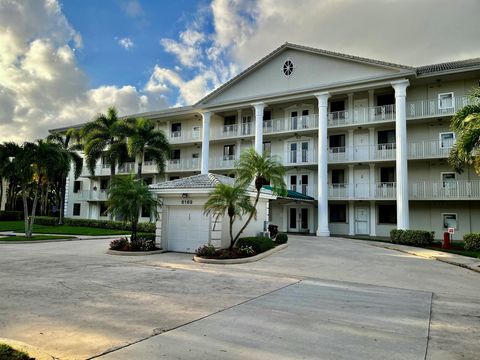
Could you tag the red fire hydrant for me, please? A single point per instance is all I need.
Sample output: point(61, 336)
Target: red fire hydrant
point(446, 240)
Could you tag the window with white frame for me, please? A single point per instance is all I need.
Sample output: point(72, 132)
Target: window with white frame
point(445, 100)
point(447, 139)
point(448, 179)
point(228, 152)
point(450, 221)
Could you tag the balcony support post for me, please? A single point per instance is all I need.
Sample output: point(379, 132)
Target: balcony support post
point(350, 144)
point(351, 217)
point(371, 176)
point(205, 141)
point(403, 216)
point(322, 229)
point(371, 105)
point(371, 141)
point(350, 108)
point(259, 126)
point(350, 192)
point(373, 218)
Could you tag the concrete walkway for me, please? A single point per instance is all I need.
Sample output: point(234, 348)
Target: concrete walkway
point(321, 298)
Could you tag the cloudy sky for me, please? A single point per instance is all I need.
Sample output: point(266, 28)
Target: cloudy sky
point(63, 61)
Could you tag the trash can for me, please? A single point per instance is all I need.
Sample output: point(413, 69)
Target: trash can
point(446, 240)
point(273, 229)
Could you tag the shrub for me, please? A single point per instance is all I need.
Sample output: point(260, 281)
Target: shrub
point(472, 241)
point(142, 244)
point(412, 237)
point(11, 215)
point(259, 244)
point(112, 225)
point(119, 244)
point(7, 352)
point(46, 220)
point(206, 250)
point(146, 236)
point(281, 239)
point(246, 251)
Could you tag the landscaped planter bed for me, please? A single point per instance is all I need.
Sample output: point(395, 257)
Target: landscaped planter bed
point(240, 260)
point(135, 253)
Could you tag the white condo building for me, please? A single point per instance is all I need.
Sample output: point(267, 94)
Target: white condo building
point(366, 141)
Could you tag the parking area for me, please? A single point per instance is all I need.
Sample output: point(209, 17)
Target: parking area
point(319, 298)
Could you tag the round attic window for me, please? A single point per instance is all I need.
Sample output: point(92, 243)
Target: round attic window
point(288, 67)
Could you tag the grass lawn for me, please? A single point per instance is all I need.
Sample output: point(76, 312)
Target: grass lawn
point(18, 226)
point(35, 237)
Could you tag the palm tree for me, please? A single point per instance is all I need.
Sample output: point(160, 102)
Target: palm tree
point(262, 170)
point(8, 151)
point(102, 138)
point(71, 156)
point(126, 197)
point(144, 139)
point(232, 200)
point(466, 124)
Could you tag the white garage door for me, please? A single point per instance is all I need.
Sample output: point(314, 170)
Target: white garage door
point(187, 228)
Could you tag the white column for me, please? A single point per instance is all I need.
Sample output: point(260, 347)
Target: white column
point(322, 229)
point(350, 108)
point(239, 122)
point(400, 87)
point(371, 142)
point(373, 219)
point(372, 180)
point(205, 141)
point(351, 185)
point(371, 104)
point(259, 126)
point(350, 144)
point(351, 218)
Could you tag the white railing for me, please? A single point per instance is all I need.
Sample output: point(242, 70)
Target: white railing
point(223, 162)
point(362, 153)
point(379, 191)
point(185, 136)
point(235, 130)
point(183, 164)
point(445, 190)
point(126, 168)
point(429, 149)
point(433, 107)
point(90, 195)
point(294, 157)
point(296, 123)
point(362, 115)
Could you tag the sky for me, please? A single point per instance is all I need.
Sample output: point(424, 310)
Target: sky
point(64, 61)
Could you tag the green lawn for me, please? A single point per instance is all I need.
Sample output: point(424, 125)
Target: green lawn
point(35, 238)
point(7, 352)
point(18, 226)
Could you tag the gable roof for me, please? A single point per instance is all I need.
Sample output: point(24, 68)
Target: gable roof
point(202, 181)
point(448, 66)
point(288, 45)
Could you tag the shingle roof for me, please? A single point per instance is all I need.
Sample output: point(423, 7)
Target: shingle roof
point(202, 181)
point(448, 66)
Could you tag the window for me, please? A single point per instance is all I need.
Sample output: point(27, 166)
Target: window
point(76, 209)
point(293, 182)
point(385, 99)
point(304, 152)
point(337, 143)
point(387, 175)
point(293, 152)
point(337, 105)
point(175, 156)
point(267, 115)
point(447, 139)
point(195, 156)
point(387, 214)
point(176, 129)
point(445, 101)
point(267, 147)
point(103, 209)
point(229, 120)
point(448, 179)
point(288, 67)
point(386, 137)
point(246, 125)
point(229, 152)
point(337, 213)
point(304, 184)
point(338, 176)
point(77, 186)
point(105, 162)
point(450, 221)
point(104, 184)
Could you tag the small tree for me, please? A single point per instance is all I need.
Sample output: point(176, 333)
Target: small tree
point(126, 197)
point(232, 200)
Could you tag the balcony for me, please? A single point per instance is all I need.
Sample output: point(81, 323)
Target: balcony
point(90, 195)
point(445, 190)
point(361, 116)
point(223, 162)
point(300, 157)
point(429, 149)
point(233, 131)
point(192, 164)
point(126, 168)
point(297, 123)
point(183, 136)
point(435, 108)
point(304, 189)
point(362, 191)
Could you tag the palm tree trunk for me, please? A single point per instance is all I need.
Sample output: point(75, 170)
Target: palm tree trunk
point(140, 164)
point(63, 186)
point(25, 208)
point(112, 176)
point(34, 208)
point(1, 192)
point(249, 218)
point(232, 242)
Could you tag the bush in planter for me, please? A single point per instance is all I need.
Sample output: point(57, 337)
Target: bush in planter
point(259, 244)
point(412, 237)
point(281, 239)
point(111, 225)
point(206, 250)
point(246, 251)
point(119, 244)
point(472, 241)
point(395, 235)
point(142, 244)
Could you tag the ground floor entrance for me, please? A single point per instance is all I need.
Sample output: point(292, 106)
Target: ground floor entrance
point(298, 219)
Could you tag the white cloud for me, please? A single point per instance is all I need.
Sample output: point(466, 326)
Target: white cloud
point(126, 43)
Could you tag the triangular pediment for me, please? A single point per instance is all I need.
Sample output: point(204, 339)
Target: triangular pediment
point(312, 68)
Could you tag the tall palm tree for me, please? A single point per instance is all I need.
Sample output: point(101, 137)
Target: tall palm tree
point(102, 138)
point(69, 144)
point(8, 150)
point(143, 139)
point(262, 170)
point(232, 200)
point(126, 197)
point(466, 124)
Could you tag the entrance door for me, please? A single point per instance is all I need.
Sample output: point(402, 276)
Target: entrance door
point(298, 219)
point(360, 110)
point(360, 148)
point(361, 220)
point(361, 183)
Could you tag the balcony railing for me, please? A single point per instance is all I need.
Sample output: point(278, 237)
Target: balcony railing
point(445, 190)
point(364, 115)
point(359, 191)
point(223, 162)
point(298, 157)
point(235, 130)
point(90, 195)
point(126, 168)
point(296, 123)
point(185, 136)
point(433, 107)
point(429, 149)
point(192, 164)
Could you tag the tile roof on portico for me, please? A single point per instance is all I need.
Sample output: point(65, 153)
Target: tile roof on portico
point(448, 66)
point(202, 181)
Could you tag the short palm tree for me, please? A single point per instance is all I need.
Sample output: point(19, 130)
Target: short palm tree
point(143, 139)
point(261, 170)
point(126, 197)
point(466, 124)
point(232, 200)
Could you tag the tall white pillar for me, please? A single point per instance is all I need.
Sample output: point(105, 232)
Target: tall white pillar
point(259, 126)
point(351, 185)
point(350, 144)
point(351, 218)
point(205, 141)
point(350, 108)
point(322, 229)
point(400, 87)
point(373, 219)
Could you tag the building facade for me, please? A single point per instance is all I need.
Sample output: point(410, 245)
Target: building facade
point(368, 140)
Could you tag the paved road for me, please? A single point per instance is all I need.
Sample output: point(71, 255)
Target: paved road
point(321, 298)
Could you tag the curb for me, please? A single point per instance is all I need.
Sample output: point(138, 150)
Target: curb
point(36, 241)
point(241, 260)
point(135, 253)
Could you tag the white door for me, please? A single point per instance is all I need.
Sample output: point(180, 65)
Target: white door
point(298, 218)
point(361, 220)
point(361, 183)
point(361, 146)
point(360, 110)
point(187, 228)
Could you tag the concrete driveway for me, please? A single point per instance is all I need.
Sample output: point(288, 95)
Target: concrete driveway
point(321, 298)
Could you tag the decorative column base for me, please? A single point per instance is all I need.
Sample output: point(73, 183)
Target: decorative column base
point(323, 232)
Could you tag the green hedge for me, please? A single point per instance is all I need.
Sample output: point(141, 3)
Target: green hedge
point(258, 243)
point(46, 220)
point(281, 238)
point(471, 241)
point(412, 237)
point(11, 215)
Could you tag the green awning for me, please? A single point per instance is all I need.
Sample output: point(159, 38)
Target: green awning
point(293, 195)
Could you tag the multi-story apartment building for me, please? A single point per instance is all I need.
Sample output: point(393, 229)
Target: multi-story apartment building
point(366, 140)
